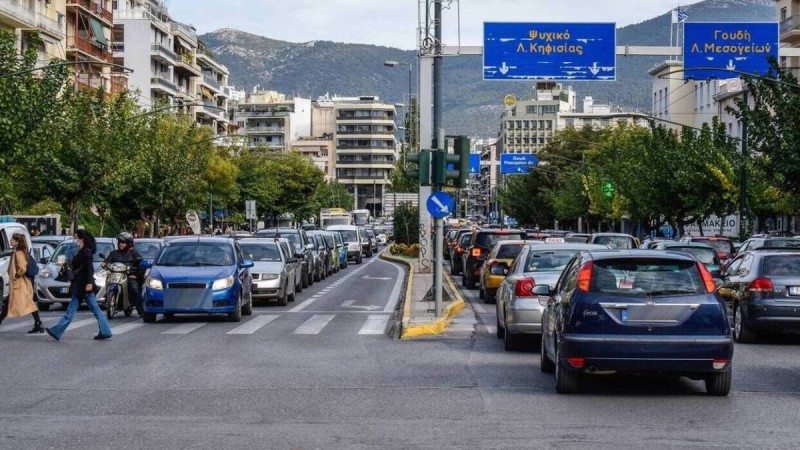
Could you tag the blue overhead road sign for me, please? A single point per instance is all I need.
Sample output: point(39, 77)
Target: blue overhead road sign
point(440, 204)
point(744, 47)
point(474, 164)
point(517, 164)
point(549, 51)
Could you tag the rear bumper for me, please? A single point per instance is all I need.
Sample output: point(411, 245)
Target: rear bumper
point(492, 282)
point(645, 353)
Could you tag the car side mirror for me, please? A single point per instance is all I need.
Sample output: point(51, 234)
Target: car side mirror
point(102, 255)
point(44, 260)
point(543, 290)
point(310, 246)
point(499, 269)
point(246, 264)
point(298, 255)
point(146, 263)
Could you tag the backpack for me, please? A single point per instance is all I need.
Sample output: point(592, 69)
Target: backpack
point(33, 268)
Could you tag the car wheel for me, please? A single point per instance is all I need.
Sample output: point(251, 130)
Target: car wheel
point(501, 332)
point(149, 317)
point(236, 315)
point(511, 342)
point(545, 365)
point(359, 260)
point(741, 332)
point(43, 306)
point(481, 293)
point(169, 316)
point(567, 381)
point(247, 310)
point(471, 282)
point(305, 279)
point(283, 299)
point(719, 384)
point(453, 269)
point(293, 295)
point(490, 298)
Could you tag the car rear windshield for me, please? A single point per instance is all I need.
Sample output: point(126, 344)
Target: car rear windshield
point(614, 241)
point(509, 251)
point(148, 250)
point(69, 249)
point(782, 265)
point(196, 254)
point(646, 277)
point(262, 252)
point(577, 239)
point(723, 247)
point(294, 238)
point(704, 255)
point(548, 260)
point(349, 235)
point(487, 240)
point(780, 243)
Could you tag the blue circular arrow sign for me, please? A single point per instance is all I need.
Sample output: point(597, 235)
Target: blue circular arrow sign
point(440, 204)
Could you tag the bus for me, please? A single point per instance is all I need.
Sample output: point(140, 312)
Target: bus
point(361, 217)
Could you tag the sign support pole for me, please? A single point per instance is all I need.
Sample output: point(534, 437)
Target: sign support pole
point(439, 144)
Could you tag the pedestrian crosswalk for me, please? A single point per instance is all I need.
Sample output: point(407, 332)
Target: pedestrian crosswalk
point(298, 324)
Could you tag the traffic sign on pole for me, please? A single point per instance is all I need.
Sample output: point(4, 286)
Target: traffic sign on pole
point(743, 47)
point(517, 164)
point(440, 204)
point(549, 51)
point(474, 164)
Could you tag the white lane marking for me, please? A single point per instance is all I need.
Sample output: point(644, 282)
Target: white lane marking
point(478, 307)
point(122, 329)
point(374, 324)
point(394, 297)
point(315, 324)
point(17, 326)
point(81, 323)
point(253, 325)
point(185, 328)
point(314, 298)
point(491, 329)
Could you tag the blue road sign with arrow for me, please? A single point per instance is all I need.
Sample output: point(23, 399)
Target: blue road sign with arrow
point(474, 164)
point(517, 164)
point(744, 47)
point(440, 204)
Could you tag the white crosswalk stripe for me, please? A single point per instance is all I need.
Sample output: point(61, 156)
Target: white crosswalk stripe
point(375, 324)
point(81, 324)
point(253, 325)
point(185, 328)
point(315, 324)
point(122, 329)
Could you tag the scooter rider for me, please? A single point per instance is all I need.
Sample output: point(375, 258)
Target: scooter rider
point(125, 253)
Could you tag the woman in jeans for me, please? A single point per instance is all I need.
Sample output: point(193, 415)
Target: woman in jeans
point(82, 288)
point(20, 294)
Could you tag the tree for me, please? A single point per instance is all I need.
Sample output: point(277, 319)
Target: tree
point(401, 181)
point(256, 181)
point(299, 181)
point(406, 224)
point(333, 194)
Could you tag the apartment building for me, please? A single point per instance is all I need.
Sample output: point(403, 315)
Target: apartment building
point(212, 97)
point(673, 99)
point(268, 118)
point(530, 125)
point(89, 25)
point(788, 12)
point(45, 17)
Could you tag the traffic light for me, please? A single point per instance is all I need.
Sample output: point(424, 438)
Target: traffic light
point(458, 160)
point(423, 170)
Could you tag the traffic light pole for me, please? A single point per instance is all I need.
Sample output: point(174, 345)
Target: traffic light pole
point(438, 133)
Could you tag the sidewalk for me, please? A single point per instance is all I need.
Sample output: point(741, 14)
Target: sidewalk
point(419, 309)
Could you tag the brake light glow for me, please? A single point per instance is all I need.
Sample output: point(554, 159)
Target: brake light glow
point(459, 250)
point(585, 276)
point(719, 363)
point(476, 252)
point(577, 362)
point(760, 285)
point(708, 280)
point(524, 287)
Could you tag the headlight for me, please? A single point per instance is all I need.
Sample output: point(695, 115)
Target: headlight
point(223, 283)
point(100, 279)
point(44, 273)
point(270, 276)
point(154, 284)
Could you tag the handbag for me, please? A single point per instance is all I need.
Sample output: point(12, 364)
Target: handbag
point(66, 274)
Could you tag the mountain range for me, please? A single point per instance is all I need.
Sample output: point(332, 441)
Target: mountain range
point(471, 106)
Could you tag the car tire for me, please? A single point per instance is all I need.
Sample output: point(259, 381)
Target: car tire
point(471, 282)
point(247, 309)
point(567, 381)
point(304, 281)
point(719, 384)
point(501, 332)
point(490, 298)
point(453, 269)
point(149, 317)
point(359, 260)
point(236, 315)
point(741, 332)
point(283, 300)
point(481, 293)
point(545, 365)
point(293, 296)
point(43, 306)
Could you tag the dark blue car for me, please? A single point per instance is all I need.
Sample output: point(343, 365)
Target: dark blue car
point(635, 311)
point(199, 275)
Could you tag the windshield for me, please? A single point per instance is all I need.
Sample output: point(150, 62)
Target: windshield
point(148, 250)
point(724, 248)
point(349, 235)
point(613, 241)
point(68, 250)
point(704, 255)
point(294, 238)
point(782, 265)
point(196, 254)
point(487, 240)
point(780, 243)
point(645, 276)
point(548, 261)
point(509, 251)
point(261, 252)
point(329, 240)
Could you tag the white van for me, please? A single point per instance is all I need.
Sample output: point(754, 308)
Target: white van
point(7, 230)
point(351, 234)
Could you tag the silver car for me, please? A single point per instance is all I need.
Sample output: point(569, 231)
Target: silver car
point(295, 262)
point(50, 291)
point(519, 311)
point(273, 278)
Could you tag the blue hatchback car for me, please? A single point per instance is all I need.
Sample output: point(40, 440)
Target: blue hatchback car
point(199, 275)
point(635, 311)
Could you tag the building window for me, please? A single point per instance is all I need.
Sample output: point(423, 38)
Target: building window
point(547, 109)
point(530, 109)
point(570, 122)
point(549, 124)
point(784, 14)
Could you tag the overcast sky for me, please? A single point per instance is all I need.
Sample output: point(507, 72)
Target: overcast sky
point(393, 22)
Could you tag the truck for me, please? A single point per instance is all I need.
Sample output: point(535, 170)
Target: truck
point(48, 225)
point(334, 216)
point(361, 217)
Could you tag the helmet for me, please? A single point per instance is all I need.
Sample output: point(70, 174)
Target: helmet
point(125, 237)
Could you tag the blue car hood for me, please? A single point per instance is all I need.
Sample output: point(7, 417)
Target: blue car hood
point(185, 274)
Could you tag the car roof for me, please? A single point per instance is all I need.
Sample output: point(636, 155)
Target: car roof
point(500, 231)
point(278, 230)
point(183, 239)
point(612, 234)
point(672, 244)
point(264, 241)
point(567, 246)
point(638, 253)
point(709, 238)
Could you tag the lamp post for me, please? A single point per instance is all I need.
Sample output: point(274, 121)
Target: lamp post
point(391, 63)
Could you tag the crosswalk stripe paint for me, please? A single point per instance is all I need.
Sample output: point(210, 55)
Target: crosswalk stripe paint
point(122, 329)
point(25, 324)
point(374, 324)
point(185, 328)
point(253, 325)
point(82, 323)
point(314, 325)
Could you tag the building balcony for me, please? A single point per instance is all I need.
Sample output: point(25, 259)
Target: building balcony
point(265, 130)
point(118, 47)
point(790, 29)
point(119, 82)
point(184, 31)
point(185, 94)
point(88, 48)
point(159, 19)
point(50, 26)
point(94, 9)
point(163, 53)
point(17, 15)
point(246, 114)
point(161, 82)
point(187, 63)
point(211, 82)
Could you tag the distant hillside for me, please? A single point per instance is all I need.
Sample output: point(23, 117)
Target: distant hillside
point(472, 106)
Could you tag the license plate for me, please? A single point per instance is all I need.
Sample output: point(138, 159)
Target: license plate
point(624, 315)
point(63, 290)
point(794, 291)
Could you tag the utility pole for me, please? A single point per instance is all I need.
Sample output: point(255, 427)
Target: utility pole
point(439, 144)
point(743, 175)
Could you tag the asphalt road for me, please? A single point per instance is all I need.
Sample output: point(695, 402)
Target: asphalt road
point(326, 372)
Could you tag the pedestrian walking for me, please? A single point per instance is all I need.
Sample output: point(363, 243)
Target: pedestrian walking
point(82, 288)
point(20, 293)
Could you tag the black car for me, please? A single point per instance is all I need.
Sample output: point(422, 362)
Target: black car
point(303, 248)
point(479, 248)
point(325, 253)
point(456, 256)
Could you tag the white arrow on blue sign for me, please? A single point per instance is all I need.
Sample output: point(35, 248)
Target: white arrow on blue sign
point(517, 164)
point(474, 163)
point(440, 204)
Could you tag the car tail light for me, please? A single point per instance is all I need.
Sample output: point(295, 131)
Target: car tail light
point(476, 252)
point(459, 250)
point(577, 362)
point(719, 363)
point(585, 276)
point(708, 280)
point(524, 287)
point(760, 285)
point(723, 255)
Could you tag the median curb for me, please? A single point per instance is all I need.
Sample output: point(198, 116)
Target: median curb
point(436, 326)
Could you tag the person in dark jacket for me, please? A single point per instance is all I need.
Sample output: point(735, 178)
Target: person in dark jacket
point(82, 288)
point(127, 254)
